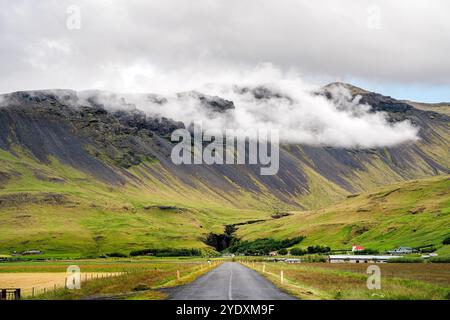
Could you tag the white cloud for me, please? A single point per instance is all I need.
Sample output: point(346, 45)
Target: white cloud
point(300, 115)
point(324, 38)
point(167, 46)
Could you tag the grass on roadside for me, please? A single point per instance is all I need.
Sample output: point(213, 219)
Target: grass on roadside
point(348, 281)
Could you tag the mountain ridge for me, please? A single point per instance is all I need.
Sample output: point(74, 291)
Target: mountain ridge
point(106, 143)
point(103, 176)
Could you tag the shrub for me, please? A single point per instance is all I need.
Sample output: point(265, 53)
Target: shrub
point(444, 259)
point(298, 252)
point(141, 287)
point(117, 255)
point(406, 260)
point(446, 240)
point(427, 250)
point(283, 251)
point(314, 258)
point(318, 249)
point(368, 251)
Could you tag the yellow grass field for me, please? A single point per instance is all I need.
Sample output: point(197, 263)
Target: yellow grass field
point(112, 278)
point(41, 281)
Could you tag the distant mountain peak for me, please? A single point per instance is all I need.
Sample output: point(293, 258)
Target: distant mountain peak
point(353, 89)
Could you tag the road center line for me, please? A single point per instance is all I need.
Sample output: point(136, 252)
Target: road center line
point(230, 296)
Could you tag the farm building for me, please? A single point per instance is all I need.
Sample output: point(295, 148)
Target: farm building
point(356, 248)
point(344, 258)
point(292, 260)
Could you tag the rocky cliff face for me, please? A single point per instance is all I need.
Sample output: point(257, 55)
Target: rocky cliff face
point(109, 141)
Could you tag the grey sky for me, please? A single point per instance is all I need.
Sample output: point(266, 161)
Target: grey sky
point(143, 45)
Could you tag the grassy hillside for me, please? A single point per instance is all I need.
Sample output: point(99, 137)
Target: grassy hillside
point(408, 214)
point(65, 212)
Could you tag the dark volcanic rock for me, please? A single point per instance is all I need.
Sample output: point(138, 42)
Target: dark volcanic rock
point(212, 103)
point(262, 93)
point(138, 121)
point(384, 103)
point(23, 198)
point(47, 124)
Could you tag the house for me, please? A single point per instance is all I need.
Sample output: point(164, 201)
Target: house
point(31, 252)
point(228, 255)
point(356, 248)
point(273, 253)
point(402, 250)
point(347, 258)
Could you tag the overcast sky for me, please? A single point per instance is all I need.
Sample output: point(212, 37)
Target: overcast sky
point(399, 47)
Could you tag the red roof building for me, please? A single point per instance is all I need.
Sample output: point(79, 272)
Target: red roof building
point(356, 248)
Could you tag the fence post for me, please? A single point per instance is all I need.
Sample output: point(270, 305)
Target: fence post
point(281, 276)
point(32, 292)
point(178, 274)
point(264, 268)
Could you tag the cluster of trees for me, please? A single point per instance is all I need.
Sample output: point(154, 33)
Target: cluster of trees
point(167, 252)
point(222, 241)
point(264, 246)
point(228, 242)
point(446, 240)
point(368, 251)
point(309, 250)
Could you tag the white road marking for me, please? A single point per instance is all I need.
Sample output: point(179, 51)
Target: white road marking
point(230, 296)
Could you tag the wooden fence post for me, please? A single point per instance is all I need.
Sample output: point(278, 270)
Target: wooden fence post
point(281, 276)
point(17, 294)
point(264, 268)
point(178, 274)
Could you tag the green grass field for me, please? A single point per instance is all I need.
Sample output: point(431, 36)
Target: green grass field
point(81, 217)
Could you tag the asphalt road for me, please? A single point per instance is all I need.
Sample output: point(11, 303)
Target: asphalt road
point(230, 281)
